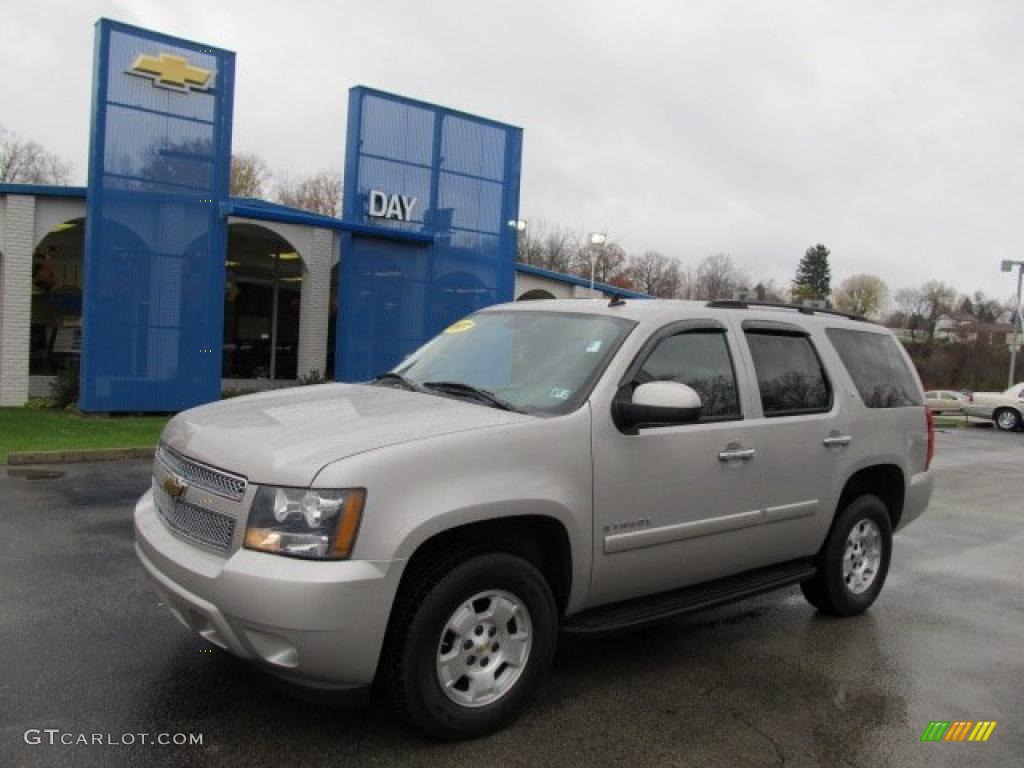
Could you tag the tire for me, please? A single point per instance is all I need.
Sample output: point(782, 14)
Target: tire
point(459, 595)
point(852, 566)
point(1006, 419)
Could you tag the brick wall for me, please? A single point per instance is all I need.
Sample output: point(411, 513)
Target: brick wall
point(314, 311)
point(18, 242)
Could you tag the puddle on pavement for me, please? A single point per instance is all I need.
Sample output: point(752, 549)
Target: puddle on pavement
point(35, 474)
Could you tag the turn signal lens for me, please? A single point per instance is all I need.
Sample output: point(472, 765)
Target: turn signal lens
point(352, 515)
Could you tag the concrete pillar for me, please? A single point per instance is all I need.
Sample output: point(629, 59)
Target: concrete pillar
point(316, 302)
point(16, 297)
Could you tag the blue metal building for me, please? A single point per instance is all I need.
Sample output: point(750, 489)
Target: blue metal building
point(179, 287)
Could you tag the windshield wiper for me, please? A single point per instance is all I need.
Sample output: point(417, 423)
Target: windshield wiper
point(397, 378)
point(468, 390)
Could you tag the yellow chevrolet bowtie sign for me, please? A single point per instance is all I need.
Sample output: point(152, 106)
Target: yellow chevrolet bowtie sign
point(174, 72)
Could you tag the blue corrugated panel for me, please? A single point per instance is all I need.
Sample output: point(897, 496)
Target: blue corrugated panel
point(159, 168)
point(464, 173)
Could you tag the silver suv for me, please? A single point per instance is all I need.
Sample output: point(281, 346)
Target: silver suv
point(551, 466)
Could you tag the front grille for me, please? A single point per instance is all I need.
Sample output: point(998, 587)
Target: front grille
point(196, 523)
point(226, 484)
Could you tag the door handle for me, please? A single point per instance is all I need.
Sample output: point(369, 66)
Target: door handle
point(734, 454)
point(836, 441)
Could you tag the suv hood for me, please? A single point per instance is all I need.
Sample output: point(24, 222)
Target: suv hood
point(285, 437)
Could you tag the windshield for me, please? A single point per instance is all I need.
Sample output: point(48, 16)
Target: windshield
point(539, 362)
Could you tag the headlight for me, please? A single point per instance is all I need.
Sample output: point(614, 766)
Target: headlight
point(311, 523)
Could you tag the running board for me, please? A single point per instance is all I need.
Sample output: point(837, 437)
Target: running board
point(641, 611)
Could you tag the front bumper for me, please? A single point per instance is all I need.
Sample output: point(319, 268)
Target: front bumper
point(319, 623)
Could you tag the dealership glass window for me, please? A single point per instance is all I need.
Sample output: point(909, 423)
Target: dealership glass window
point(55, 336)
point(332, 323)
point(263, 295)
point(699, 359)
point(789, 374)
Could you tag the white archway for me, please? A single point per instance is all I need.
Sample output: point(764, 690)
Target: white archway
point(55, 326)
point(536, 294)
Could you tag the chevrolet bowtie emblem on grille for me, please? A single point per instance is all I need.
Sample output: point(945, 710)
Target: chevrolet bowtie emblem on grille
point(174, 72)
point(174, 486)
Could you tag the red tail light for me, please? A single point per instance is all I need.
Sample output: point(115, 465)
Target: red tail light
point(970, 397)
point(931, 437)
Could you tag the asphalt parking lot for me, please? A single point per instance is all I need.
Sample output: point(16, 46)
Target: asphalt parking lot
point(86, 648)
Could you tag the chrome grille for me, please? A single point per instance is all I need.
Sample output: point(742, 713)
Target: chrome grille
point(196, 523)
point(200, 475)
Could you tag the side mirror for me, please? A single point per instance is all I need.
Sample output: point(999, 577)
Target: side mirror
point(657, 404)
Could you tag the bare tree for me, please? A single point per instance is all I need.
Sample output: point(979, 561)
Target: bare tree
point(984, 308)
point(937, 300)
point(923, 307)
point(249, 175)
point(319, 193)
point(654, 274)
point(769, 290)
point(909, 303)
point(866, 295)
point(28, 162)
point(560, 245)
point(687, 287)
point(609, 262)
point(717, 277)
point(545, 246)
point(671, 280)
point(530, 245)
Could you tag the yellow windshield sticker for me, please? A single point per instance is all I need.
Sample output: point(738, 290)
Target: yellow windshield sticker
point(459, 327)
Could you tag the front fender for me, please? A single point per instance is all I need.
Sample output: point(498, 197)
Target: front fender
point(419, 489)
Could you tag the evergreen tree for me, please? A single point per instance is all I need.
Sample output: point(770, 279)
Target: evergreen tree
point(813, 275)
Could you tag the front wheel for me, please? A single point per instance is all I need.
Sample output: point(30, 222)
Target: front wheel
point(1007, 419)
point(472, 646)
point(854, 562)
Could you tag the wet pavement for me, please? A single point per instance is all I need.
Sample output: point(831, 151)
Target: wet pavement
point(86, 648)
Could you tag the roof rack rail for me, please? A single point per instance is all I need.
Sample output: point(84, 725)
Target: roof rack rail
point(738, 304)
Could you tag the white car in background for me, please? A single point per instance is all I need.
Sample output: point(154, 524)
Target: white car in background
point(1005, 408)
point(945, 401)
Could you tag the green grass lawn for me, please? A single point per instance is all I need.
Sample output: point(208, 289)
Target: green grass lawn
point(28, 429)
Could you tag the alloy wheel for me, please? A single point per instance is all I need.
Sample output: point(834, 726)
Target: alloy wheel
point(484, 648)
point(862, 557)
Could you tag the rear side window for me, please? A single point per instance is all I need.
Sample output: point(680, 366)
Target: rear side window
point(789, 374)
point(701, 360)
point(877, 368)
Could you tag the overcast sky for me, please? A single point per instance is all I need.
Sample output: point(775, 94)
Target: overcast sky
point(890, 131)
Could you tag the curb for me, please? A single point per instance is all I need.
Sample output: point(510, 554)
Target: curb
point(23, 458)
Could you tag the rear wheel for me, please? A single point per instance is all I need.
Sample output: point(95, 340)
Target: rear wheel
point(854, 562)
point(471, 645)
point(1007, 419)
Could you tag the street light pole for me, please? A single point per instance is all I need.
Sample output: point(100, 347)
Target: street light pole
point(1018, 321)
point(597, 241)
